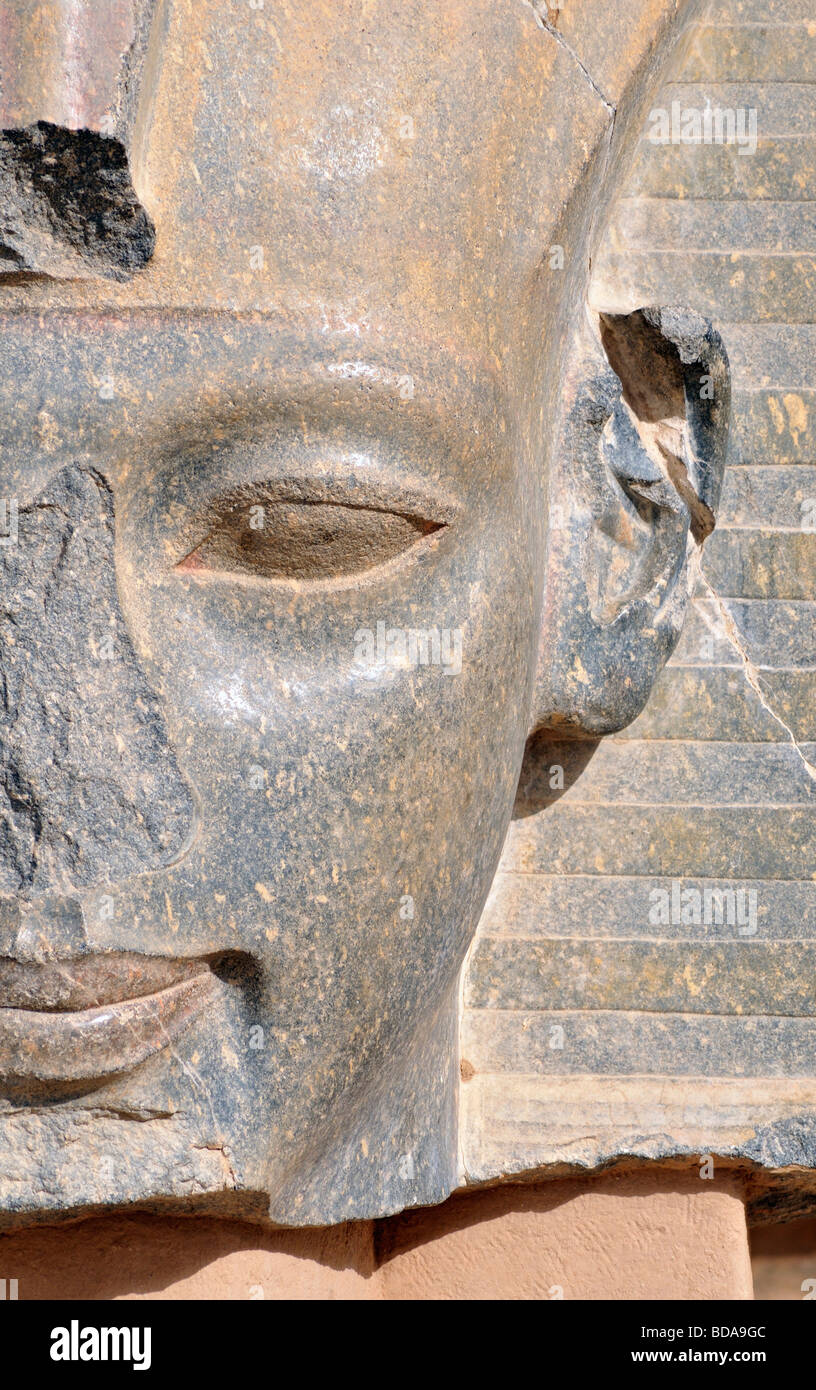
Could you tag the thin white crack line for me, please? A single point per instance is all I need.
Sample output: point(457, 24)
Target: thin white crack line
point(189, 1071)
point(192, 1075)
point(599, 212)
point(544, 23)
point(735, 637)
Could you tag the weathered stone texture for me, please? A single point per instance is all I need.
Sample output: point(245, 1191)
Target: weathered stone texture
point(89, 787)
point(351, 327)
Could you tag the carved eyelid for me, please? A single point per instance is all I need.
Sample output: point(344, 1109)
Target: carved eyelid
point(307, 535)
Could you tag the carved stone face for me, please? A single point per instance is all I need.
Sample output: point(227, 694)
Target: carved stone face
point(290, 580)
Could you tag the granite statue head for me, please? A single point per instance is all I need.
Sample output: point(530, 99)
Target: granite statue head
point(316, 513)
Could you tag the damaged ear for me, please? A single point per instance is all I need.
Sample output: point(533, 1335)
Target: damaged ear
point(635, 483)
point(674, 378)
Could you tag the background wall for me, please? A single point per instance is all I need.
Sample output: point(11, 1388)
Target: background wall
point(660, 1235)
point(590, 1031)
point(783, 1260)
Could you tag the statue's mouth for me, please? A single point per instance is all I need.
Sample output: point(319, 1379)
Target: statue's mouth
point(95, 1015)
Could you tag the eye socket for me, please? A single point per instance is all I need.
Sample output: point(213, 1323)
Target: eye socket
point(301, 540)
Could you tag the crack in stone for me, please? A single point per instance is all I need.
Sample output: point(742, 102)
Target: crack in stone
point(544, 22)
point(225, 1152)
point(735, 637)
point(192, 1075)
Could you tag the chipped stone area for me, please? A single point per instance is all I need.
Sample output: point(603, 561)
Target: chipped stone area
point(84, 1161)
point(70, 133)
point(68, 205)
point(90, 791)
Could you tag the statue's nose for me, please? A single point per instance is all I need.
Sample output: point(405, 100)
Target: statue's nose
point(90, 790)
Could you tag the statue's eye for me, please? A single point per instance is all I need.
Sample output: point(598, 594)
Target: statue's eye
point(301, 541)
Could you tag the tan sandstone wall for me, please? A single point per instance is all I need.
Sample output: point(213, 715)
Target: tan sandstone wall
point(637, 1236)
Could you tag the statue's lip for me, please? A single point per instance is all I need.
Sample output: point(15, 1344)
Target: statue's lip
point(95, 1015)
point(69, 984)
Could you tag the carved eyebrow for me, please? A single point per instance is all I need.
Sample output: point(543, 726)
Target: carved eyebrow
point(351, 392)
point(393, 382)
